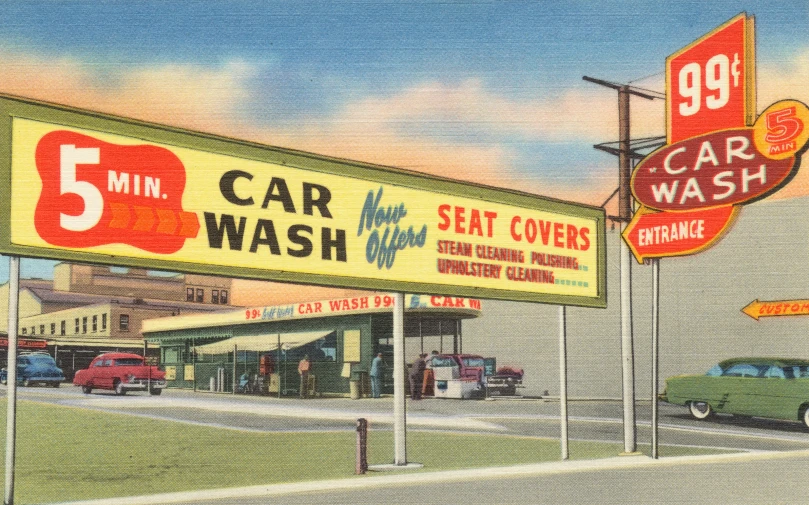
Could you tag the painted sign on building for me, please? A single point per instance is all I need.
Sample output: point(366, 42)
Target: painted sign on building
point(368, 304)
point(88, 187)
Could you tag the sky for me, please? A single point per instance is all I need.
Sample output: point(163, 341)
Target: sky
point(484, 91)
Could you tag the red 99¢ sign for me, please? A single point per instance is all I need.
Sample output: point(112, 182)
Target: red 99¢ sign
point(710, 82)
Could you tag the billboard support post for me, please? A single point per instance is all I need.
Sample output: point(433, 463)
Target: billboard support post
point(655, 343)
point(11, 409)
point(399, 418)
point(625, 213)
point(563, 381)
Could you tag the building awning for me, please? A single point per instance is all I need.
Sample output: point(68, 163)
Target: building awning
point(259, 343)
point(96, 342)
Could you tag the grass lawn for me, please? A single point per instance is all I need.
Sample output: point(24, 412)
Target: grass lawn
point(73, 454)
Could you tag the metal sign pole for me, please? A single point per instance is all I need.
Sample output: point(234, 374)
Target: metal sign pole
point(627, 350)
point(11, 411)
point(655, 343)
point(399, 419)
point(563, 381)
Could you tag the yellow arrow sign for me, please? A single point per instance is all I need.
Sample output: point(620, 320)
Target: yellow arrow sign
point(757, 309)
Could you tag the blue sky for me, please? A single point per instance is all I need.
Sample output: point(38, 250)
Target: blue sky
point(484, 91)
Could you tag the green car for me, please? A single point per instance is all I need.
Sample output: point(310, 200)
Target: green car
point(763, 387)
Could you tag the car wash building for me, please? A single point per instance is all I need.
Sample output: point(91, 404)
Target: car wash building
point(258, 349)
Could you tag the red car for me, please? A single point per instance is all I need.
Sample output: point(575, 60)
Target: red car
point(120, 372)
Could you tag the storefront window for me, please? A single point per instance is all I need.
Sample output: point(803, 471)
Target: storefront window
point(323, 349)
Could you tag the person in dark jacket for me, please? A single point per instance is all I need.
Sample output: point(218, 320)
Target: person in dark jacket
point(417, 376)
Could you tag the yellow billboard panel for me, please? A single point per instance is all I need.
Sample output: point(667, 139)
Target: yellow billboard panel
point(94, 188)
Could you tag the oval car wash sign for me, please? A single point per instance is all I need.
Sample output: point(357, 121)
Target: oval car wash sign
point(717, 157)
point(94, 188)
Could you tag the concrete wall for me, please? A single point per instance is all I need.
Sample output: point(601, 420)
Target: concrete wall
point(764, 256)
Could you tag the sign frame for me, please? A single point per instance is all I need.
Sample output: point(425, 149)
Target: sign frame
point(12, 107)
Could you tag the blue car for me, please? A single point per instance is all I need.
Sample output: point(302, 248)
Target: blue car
point(36, 368)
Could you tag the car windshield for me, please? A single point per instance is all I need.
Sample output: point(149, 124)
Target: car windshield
point(128, 362)
point(745, 370)
point(473, 362)
point(39, 359)
point(715, 371)
point(443, 361)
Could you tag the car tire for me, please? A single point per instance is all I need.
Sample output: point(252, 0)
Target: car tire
point(119, 388)
point(54, 384)
point(4, 380)
point(700, 410)
point(86, 390)
point(805, 415)
point(26, 383)
point(155, 392)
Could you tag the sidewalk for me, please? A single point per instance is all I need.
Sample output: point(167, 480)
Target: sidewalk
point(421, 478)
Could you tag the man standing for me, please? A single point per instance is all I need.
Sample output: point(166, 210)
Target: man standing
point(376, 376)
point(303, 369)
point(416, 376)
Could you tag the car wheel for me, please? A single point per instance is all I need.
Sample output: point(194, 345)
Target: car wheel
point(26, 383)
point(54, 384)
point(119, 388)
point(86, 389)
point(700, 410)
point(155, 392)
point(4, 380)
point(805, 415)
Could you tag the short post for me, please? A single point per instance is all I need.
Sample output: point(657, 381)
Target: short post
point(362, 446)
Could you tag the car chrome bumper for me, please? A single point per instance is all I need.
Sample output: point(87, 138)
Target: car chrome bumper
point(143, 385)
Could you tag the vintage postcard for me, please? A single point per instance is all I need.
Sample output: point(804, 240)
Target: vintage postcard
point(404, 252)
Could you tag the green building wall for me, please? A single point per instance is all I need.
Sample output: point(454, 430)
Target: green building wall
point(375, 333)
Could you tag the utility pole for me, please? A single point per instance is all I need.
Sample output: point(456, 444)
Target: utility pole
point(624, 216)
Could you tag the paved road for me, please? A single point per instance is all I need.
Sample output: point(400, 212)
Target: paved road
point(589, 420)
point(683, 481)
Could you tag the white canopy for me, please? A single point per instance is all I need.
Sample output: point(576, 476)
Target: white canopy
point(261, 342)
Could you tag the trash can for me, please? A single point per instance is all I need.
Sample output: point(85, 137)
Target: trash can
point(354, 387)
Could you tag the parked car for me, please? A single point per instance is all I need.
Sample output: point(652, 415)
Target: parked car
point(764, 387)
point(474, 368)
point(120, 372)
point(35, 368)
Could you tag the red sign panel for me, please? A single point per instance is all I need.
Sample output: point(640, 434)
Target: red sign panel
point(710, 82)
point(720, 168)
point(96, 193)
point(25, 343)
point(661, 234)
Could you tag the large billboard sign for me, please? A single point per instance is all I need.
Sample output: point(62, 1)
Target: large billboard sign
point(718, 156)
point(83, 186)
